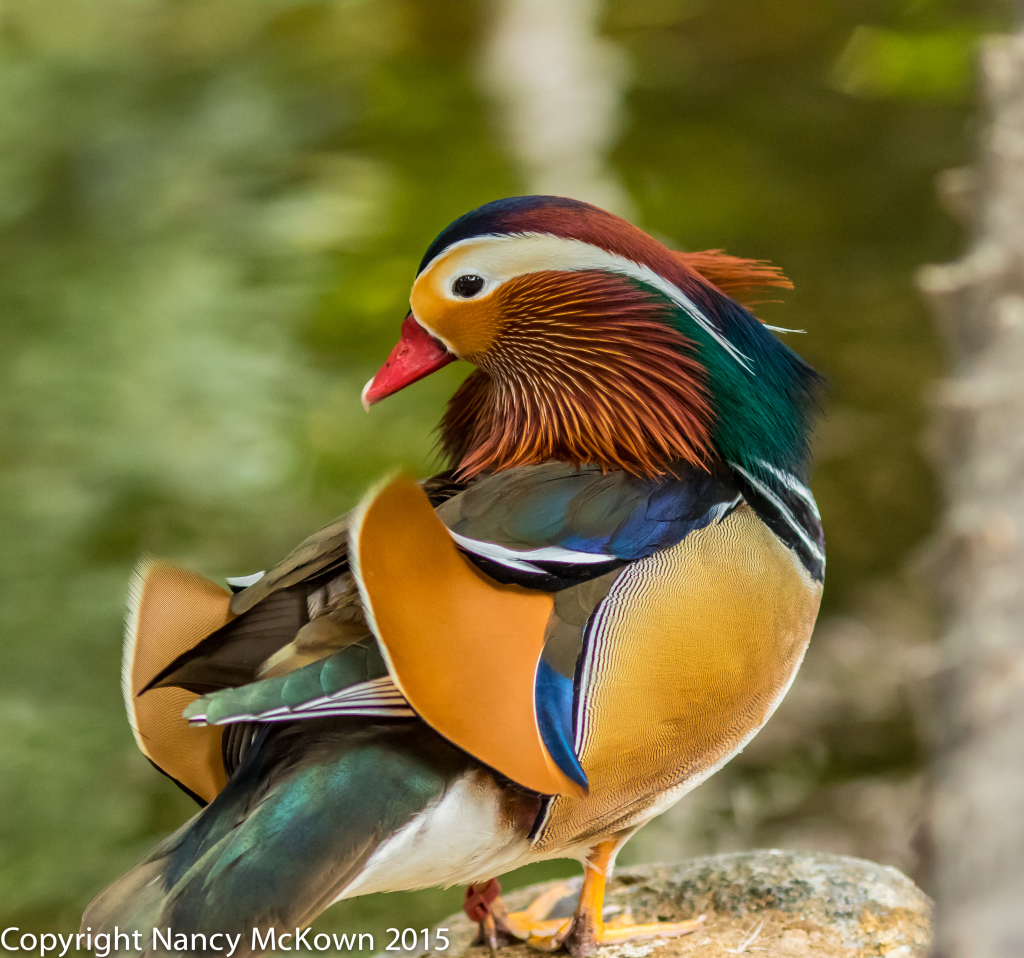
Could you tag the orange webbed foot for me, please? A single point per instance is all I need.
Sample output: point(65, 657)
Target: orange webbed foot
point(582, 932)
point(581, 935)
point(533, 924)
point(586, 930)
point(583, 940)
point(498, 926)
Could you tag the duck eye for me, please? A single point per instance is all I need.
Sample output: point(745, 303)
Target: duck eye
point(468, 285)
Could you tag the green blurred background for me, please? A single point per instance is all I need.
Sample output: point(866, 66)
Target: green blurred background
point(210, 215)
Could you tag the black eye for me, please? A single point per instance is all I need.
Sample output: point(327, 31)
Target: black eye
point(468, 285)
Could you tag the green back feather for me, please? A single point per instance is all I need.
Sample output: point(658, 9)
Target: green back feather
point(764, 413)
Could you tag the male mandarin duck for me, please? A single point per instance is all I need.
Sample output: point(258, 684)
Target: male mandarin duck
point(525, 657)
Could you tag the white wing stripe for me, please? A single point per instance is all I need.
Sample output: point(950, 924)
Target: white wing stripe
point(386, 711)
point(516, 559)
point(244, 581)
point(375, 697)
point(354, 700)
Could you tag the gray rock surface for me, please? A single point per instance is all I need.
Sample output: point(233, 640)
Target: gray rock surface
point(760, 902)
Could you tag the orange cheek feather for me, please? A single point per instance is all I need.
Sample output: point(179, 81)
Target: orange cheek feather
point(469, 328)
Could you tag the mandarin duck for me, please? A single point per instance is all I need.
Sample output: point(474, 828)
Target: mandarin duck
point(525, 657)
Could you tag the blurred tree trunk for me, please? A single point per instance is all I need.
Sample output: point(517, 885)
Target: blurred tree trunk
point(558, 86)
point(977, 813)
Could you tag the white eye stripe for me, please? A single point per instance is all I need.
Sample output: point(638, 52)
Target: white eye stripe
point(499, 258)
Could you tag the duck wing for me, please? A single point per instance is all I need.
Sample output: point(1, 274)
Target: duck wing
point(188, 637)
point(299, 821)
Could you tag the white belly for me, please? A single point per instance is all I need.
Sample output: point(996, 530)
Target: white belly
point(461, 838)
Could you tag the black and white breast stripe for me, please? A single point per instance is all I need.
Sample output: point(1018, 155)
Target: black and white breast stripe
point(787, 507)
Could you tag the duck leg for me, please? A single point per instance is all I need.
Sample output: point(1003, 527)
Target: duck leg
point(483, 905)
point(499, 927)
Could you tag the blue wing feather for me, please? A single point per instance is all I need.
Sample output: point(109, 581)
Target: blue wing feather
point(581, 511)
point(553, 695)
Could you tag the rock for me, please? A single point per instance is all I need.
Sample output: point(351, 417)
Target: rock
point(768, 902)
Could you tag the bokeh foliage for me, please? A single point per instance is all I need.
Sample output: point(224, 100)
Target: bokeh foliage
point(210, 214)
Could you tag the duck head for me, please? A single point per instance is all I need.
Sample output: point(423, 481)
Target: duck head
point(595, 343)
